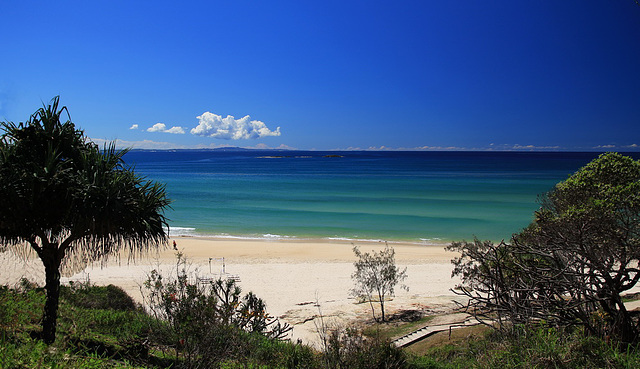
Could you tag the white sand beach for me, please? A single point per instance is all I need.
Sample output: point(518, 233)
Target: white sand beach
point(290, 276)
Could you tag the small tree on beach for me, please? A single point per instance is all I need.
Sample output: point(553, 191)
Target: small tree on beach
point(376, 277)
point(70, 202)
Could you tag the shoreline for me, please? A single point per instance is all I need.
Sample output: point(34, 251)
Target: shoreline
point(187, 233)
point(312, 240)
point(296, 279)
point(300, 250)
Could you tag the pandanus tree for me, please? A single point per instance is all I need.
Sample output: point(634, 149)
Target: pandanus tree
point(70, 202)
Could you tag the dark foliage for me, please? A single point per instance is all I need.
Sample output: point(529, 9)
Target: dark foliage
point(571, 265)
point(349, 348)
point(70, 202)
point(98, 297)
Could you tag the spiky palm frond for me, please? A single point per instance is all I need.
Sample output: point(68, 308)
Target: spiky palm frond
point(58, 187)
point(70, 202)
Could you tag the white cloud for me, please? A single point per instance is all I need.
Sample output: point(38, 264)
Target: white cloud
point(158, 127)
point(491, 147)
point(435, 148)
point(381, 148)
point(229, 128)
point(611, 147)
point(175, 130)
point(417, 148)
point(160, 145)
point(262, 146)
point(144, 144)
point(530, 147)
point(285, 147)
point(605, 147)
point(135, 126)
point(161, 127)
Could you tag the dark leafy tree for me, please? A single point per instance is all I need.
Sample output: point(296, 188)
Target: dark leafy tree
point(70, 202)
point(571, 265)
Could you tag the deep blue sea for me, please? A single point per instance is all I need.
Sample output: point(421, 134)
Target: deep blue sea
point(422, 197)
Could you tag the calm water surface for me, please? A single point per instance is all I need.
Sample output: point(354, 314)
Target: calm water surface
point(396, 196)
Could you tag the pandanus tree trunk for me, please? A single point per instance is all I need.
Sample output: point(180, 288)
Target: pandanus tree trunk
point(51, 261)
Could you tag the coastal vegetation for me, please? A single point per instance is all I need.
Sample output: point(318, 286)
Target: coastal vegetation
point(376, 277)
point(204, 322)
point(102, 327)
point(569, 268)
point(99, 328)
point(70, 202)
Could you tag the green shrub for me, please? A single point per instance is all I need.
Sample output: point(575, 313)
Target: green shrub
point(35, 354)
point(19, 309)
point(204, 324)
point(282, 354)
point(349, 348)
point(531, 347)
point(90, 338)
point(113, 323)
point(97, 297)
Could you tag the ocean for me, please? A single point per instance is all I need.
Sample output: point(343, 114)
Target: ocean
point(417, 197)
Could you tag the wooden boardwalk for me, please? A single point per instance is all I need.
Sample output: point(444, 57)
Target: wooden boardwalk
point(450, 322)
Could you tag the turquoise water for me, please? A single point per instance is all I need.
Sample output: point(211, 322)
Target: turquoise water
point(394, 196)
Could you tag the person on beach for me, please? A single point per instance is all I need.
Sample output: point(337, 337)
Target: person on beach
point(175, 246)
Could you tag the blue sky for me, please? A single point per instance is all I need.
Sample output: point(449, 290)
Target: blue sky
point(559, 75)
